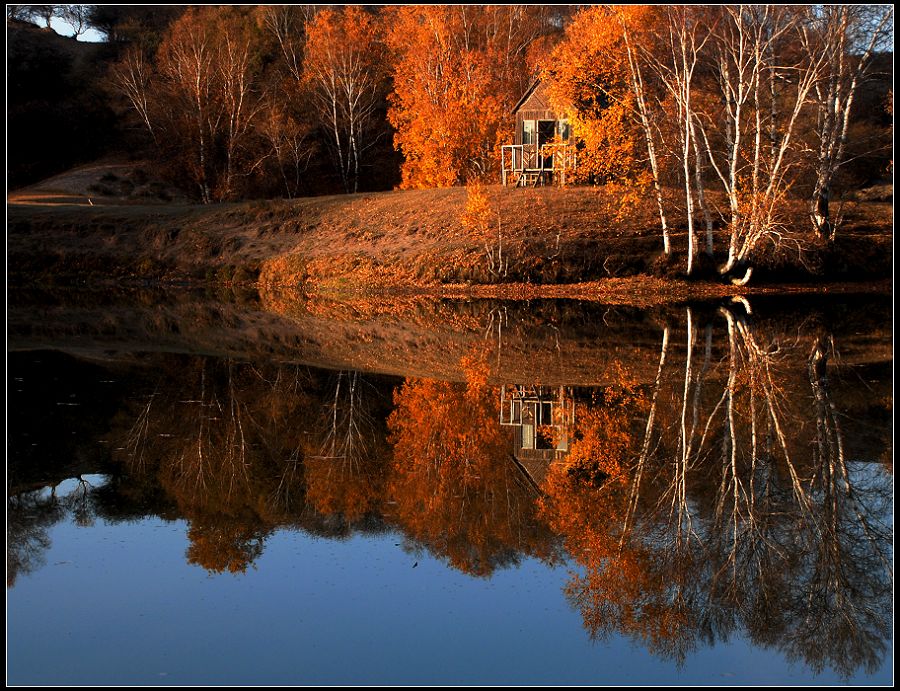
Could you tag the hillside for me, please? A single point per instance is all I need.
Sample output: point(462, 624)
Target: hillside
point(57, 110)
point(400, 239)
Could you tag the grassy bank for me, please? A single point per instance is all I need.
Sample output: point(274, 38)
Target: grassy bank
point(406, 241)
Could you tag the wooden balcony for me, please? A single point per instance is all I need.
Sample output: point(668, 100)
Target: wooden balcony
point(528, 165)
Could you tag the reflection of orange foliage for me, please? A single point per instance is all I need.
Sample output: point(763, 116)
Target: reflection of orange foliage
point(343, 486)
point(224, 545)
point(604, 438)
point(453, 483)
point(221, 440)
point(585, 502)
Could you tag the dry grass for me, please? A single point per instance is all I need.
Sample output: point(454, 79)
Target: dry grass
point(400, 241)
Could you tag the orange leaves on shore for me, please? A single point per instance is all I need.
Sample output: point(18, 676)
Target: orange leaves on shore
point(458, 70)
point(445, 106)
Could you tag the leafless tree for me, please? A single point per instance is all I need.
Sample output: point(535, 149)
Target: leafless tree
point(344, 66)
point(76, 16)
point(844, 37)
point(131, 77)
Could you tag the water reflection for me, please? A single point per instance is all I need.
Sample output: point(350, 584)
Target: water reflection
point(729, 486)
point(733, 506)
point(454, 487)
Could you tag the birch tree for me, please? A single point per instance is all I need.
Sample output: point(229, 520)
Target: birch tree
point(844, 37)
point(209, 99)
point(187, 65)
point(344, 66)
point(132, 77)
point(764, 89)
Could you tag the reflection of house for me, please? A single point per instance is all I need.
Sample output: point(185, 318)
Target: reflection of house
point(543, 151)
point(542, 419)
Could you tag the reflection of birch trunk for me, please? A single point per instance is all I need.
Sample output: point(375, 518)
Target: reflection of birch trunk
point(750, 368)
point(839, 495)
point(498, 318)
point(345, 443)
point(634, 493)
point(136, 441)
point(679, 497)
point(730, 484)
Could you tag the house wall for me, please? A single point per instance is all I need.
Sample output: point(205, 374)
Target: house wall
point(535, 107)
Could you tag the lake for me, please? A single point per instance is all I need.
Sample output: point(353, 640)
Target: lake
point(227, 488)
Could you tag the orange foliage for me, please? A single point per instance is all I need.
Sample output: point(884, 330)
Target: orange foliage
point(340, 486)
point(444, 106)
point(589, 80)
point(345, 68)
point(458, 71)
point(224, 545)
point(619, 587)
point(346, 465)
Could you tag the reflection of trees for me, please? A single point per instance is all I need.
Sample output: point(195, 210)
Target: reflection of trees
point(453, 485)
point(725, 494)
point(345, 470)
point(29, 515)
point(225, 544)
point(737, 507)
point(222, 440)
point(617, 588)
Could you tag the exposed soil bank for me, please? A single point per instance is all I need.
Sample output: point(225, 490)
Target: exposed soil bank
point(558, 242)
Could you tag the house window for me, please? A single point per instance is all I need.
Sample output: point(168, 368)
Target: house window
point(528, 132)
point(564, 130)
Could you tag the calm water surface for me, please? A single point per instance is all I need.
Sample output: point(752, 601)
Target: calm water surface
point(242, 490)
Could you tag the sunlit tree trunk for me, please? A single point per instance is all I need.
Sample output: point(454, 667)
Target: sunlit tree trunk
point(637, 85)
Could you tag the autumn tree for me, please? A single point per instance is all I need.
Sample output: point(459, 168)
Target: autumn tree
point(620, 587)
point(286, 127)
point(289, 144)
point(286, 24)
point(589, 82)
point(457, 72)
point(132, 77)
point(345, 69)
point(221, 441)
point(206, 67)
point(220, 545)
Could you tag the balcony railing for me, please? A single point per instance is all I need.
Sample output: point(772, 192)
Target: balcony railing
point(524, 163)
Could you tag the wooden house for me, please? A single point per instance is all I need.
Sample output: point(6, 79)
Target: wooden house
point(541, 418)
point(543, 151)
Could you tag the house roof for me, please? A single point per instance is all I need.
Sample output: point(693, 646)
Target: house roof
point(526, 95)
